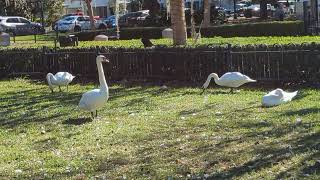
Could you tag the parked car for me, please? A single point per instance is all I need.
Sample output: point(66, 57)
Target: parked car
point(133, 19)
point(20, 26)
point(240, 7)
point(254, 10)
point(78, 23)
point(110, 21)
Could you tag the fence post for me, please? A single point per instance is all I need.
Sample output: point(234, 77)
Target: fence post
point(228, 57)
point(44, 58)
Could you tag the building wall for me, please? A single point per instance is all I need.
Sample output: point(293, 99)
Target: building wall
point(199, 3)
point(100, 7)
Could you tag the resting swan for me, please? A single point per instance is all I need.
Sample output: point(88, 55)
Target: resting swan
point(229, 79)
point(277, 97)
point(95, 99)
point(59, 79)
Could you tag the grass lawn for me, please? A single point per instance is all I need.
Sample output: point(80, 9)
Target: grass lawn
point(28, 41)
point(147, 132)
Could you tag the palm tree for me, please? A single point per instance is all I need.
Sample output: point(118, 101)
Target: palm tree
point(206, 13)
point(178, 22)
point(90, 11)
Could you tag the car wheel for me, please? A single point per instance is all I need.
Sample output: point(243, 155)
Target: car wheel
point(77, 29)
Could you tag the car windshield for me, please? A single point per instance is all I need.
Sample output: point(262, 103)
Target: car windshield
point(69, 18)
point(111, 17)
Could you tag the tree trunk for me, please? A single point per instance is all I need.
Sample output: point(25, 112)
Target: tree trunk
point(90, 11)
point(178, 22)
point(206, 13)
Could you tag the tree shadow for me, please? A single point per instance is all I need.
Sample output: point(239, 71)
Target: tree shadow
point(301, 112)
point(77, 121)
point(272, 153)
point(24, 107)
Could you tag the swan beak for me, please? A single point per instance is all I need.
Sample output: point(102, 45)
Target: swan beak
point(106, 60)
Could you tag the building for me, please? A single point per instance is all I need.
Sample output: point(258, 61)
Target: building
point(100, 7)
point(198, 4)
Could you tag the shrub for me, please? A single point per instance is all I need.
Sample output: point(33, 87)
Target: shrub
point(272, 28)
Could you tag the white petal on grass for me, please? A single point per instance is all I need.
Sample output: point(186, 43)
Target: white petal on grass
point(205, 99)
point(18, 171)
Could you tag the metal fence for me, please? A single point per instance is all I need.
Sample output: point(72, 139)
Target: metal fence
point(294, 63)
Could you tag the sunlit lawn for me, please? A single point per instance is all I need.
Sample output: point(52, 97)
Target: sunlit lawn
point(147, 132)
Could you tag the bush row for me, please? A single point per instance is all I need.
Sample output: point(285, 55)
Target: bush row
point(272, 28)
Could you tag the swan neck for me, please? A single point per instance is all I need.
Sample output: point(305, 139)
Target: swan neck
point(50, 78)
point(215, 77)
point(102, 79)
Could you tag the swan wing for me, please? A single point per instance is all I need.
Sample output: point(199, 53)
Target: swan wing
point(271, 99)
point(92, 100)
point(233, 79)
point(63, 78)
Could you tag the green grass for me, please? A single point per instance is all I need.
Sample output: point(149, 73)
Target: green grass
point(28, 41)
point(145, 132)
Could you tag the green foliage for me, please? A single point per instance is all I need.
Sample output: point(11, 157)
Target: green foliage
point(54, 9)
point(150, 133)
point(276, 28)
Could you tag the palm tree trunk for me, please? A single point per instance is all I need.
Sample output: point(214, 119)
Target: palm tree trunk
point(178, 22)
point(206, 13)
point(90, 11)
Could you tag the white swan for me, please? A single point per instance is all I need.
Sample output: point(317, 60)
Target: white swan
point(59, 79)
point(95, 99)
point(277, 97)
point(229, 79)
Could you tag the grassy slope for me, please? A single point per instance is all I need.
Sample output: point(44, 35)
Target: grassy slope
point(27, 41)
point(147, 132)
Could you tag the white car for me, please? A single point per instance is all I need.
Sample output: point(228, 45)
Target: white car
point(78, 23)
point(19, 25)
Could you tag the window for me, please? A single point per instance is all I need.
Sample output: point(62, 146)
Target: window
point(24, 21)
point(12, 20)
point(86, 19)
point(69, 18)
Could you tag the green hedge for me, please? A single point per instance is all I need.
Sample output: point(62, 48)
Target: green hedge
point(272, 28)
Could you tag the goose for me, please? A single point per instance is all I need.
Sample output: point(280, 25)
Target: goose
point(229, 79)
point(96, 98)
point(277, 97)
point(59, 79)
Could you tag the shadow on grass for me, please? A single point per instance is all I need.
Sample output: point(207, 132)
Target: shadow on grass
point(77, 121)
point(301, 112)
point(34, 105)
point(272, 153)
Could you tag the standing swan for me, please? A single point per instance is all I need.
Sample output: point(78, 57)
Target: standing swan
point(59, 79)
point(229, 79)
point(95, 99)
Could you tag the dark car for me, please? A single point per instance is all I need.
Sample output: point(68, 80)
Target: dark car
point(133, 19)
point(254, 10)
